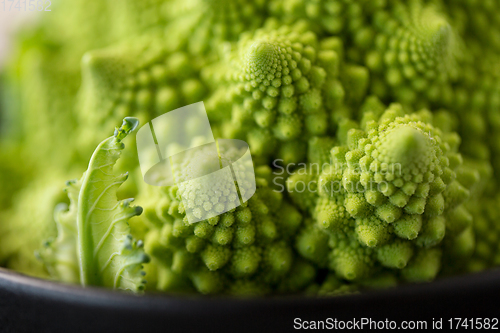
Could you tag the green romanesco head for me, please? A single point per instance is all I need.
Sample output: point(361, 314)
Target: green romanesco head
point(205, 183)
point(246, 250)
point(141, 77)
point(279, 88)
point(482, 239)
point(206, 24)
point(388, 196)
point(328, 17)
point(398, 166)
point(411, 49)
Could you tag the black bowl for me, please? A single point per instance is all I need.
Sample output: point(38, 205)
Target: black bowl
point(28, 304)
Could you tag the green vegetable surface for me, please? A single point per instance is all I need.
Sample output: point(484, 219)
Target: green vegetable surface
point(373, 128)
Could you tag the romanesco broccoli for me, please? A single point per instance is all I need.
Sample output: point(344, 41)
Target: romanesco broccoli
point(389, 194)
point(378, 195)
point(246, 250)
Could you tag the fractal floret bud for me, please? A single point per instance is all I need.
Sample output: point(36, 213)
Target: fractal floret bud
point(412, 50)
point(477, 20)
point(481, 239)
point(246, 250)
point(205, 189)
point(389, 195)
point(326, 16)
point(135, 78)
point(277, 89)
point(209, 23)
point(400, 170)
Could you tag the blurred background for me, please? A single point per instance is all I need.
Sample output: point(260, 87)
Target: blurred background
point(10, 23)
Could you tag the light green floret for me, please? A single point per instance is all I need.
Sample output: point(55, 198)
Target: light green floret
point(326, 16)
point(483, 238)
point(206, 189)
point(340, 251)
point(478, 21)
point(389, 193)
point(474, 97)
point(400, 169)
point(411, 50)
point(332, 286)
point(476, 104)
point(44, 75)
point(279, 88)
point(143, 77)
point(246, 250)
point(208, 24)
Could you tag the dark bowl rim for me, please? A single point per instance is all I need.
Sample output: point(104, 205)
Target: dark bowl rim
point(482, 283)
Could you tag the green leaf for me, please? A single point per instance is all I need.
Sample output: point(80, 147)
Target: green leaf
point(94, 245)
